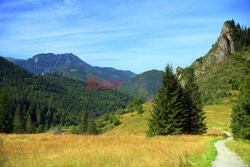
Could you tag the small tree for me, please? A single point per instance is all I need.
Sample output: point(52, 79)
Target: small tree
point(18, 121)
point(29, 125)
point(240, 123)
point(92, 128)
point(167, 117)
point(5, 114)
point(84, 123)
point(139, 109)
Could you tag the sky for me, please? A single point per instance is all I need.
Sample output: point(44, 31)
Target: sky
point(135, 35)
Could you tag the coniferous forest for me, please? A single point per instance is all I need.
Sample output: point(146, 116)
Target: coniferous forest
point(31, 103)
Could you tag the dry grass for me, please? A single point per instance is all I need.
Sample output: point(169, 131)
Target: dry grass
point(104, 150)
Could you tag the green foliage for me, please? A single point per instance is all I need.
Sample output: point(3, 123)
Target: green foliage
point(5, 114)
point(40, 129)
point(240, 35)
point(108, 122)
point(29, 125)
point(92, 128)
point(84, 123)
point(194, 115)
point(167, 117)
point(144, 85)
point(219, 72)
point(241, 111)
point(18, 121)
point(51, 100)
point(139, 109)
point(135, 105)
point(74, 129)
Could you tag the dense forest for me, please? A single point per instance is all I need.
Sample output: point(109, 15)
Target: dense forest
point(48, 101)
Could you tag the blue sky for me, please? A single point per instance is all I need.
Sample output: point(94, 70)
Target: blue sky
point(136, 35)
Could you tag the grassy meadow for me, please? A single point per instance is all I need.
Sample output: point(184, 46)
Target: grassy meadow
point(125, 145)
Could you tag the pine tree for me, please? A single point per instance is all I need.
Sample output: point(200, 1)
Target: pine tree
point(84, 123)
point(5, 114)
point(18, 121)
point(139, 109)
point(240, 123)
point(167, 116)
point(194, 116)
point(92, 128)
point(29, 125)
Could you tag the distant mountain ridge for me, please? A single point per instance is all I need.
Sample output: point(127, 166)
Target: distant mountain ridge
point(69, 65)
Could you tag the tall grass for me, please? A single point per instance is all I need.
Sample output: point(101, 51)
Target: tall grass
point(104, 150)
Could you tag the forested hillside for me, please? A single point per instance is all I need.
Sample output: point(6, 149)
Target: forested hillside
point(52, 100)
point(144, 85)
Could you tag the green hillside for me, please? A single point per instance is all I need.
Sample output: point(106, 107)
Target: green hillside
point(144, 85)
point(54, 100)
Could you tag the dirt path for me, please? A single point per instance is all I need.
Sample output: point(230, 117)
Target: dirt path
point(225, 157)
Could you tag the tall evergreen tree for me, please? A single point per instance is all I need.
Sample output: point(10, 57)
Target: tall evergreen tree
point(5, 114)
point(18, 121)
point(167, 117)
point(194, 116)
point(240, 123)
point(92, 127)
point(29, 125)
point(84, 123)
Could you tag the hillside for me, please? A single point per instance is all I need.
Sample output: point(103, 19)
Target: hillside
point(219, 72)
point(68, 65)
point(144, 85)
point(54, 100)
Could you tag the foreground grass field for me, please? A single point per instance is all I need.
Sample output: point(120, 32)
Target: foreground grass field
point(104, 150)
point(125, 145)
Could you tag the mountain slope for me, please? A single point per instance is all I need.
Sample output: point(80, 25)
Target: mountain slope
point(68, 65)
point(54, 100)
point(219, 72)
point(144, 85)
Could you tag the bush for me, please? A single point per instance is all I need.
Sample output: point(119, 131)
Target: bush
point(74, 129)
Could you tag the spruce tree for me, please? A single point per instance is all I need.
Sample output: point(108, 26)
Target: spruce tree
point(84, 123)
point(194, 116)
point(240, 123)
point(92, 128)
point(18, 121)
point(29, 125)
point(167, 116)
point(5, 114)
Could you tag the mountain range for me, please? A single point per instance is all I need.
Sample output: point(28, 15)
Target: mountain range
point(218, 73)
point(69, 65)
